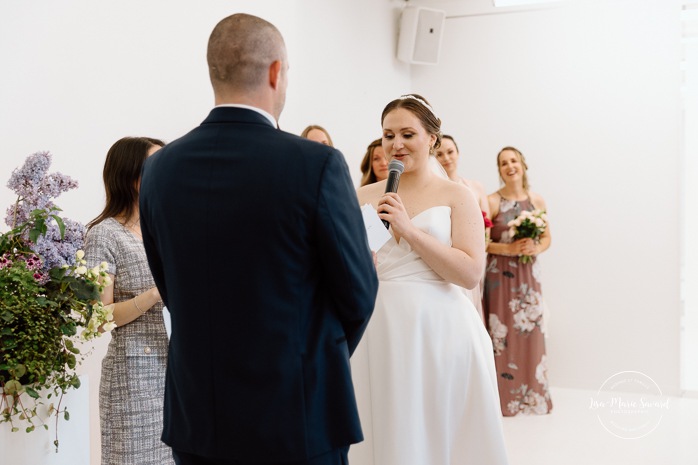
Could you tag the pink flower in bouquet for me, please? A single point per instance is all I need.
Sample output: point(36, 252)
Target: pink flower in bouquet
point(529, 224)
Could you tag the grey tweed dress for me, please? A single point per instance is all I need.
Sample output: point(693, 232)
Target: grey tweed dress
point(132, 385)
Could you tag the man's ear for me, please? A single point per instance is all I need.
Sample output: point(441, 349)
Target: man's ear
point(275, 74)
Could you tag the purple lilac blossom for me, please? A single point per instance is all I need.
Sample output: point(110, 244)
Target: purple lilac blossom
point(19, 212)
point(57, 252)
point(56, 183)
point(36, 189)
point(25, 180)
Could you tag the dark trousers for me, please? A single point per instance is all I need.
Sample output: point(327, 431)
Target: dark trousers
point(333, 457)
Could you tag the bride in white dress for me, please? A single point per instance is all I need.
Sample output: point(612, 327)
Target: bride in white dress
point(424, 371)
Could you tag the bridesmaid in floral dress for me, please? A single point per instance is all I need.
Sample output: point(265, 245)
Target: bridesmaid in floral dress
point(512, 298)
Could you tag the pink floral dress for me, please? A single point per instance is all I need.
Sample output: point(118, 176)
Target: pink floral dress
point(513, 306)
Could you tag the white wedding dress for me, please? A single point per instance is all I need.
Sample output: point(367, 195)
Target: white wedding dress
point(424, 371)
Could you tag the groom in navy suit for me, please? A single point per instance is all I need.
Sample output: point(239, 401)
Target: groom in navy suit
point(256, 242)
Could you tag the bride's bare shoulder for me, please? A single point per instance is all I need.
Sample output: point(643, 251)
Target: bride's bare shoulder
point(371, 192)
point(456, 189)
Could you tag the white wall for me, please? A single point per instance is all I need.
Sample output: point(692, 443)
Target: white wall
point(689, 265)
point(589, 92)
point(78, 75)
point(343, 71)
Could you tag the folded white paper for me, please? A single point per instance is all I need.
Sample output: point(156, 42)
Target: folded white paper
point(168, 321)
point(375, 230)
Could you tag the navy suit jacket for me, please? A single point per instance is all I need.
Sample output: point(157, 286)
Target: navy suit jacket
point(256, 242)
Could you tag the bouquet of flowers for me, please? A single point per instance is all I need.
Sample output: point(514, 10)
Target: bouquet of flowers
point(49, 300)
point(529, 224)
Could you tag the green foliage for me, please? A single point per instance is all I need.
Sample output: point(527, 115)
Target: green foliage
point(528, 229)
point(42, 316)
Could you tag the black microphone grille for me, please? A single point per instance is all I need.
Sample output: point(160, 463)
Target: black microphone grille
point(396, 165)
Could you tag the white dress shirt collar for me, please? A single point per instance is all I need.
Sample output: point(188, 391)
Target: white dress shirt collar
point(248, 107)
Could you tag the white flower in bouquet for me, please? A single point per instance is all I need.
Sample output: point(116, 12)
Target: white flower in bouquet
point(529, 224)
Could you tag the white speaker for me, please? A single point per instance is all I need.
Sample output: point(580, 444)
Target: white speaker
point(421, 30)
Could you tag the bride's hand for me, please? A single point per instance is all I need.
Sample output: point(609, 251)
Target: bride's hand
point(391, 209)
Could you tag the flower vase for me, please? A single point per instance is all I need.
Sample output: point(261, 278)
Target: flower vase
point(37, 447)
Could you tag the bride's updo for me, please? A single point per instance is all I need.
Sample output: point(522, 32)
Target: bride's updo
point(419, 106)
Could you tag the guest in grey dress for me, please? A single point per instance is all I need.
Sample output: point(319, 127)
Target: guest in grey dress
point(132, 384)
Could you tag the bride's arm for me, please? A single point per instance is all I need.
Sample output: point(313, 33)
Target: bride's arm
point(463, 262)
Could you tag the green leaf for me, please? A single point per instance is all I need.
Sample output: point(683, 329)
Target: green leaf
point(68, 329)
point(56, 274)
point(12, 387)
point(34, 234)
point(19, 370)
point(30, 429)
point(61, 225)
point(66, 417)
point(39, 228)
point(31, 393)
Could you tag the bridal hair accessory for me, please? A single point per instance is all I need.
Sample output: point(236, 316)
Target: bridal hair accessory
point(428, 107)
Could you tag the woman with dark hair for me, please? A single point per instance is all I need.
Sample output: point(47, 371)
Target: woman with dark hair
point(374, 166)
point(513, 302)
point(132, 384)
point(424, 370)
point(317, 134)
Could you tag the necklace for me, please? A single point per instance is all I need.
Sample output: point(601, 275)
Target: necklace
point(136, 231)
point(133, 223)
point(134, 227)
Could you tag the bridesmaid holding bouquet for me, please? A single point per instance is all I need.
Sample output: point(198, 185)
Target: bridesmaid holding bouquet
point(512, 298)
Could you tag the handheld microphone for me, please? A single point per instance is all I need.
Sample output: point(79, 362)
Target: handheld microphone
point(395, 169)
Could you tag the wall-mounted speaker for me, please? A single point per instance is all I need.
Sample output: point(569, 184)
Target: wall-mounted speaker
point(420, 35)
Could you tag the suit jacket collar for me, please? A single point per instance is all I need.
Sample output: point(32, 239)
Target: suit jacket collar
point(236, 115)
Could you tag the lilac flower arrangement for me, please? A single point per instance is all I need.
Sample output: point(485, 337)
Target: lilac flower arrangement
point(35, 189)
point(49, 299)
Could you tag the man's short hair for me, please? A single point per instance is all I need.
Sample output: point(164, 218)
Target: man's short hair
point(240, 49)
